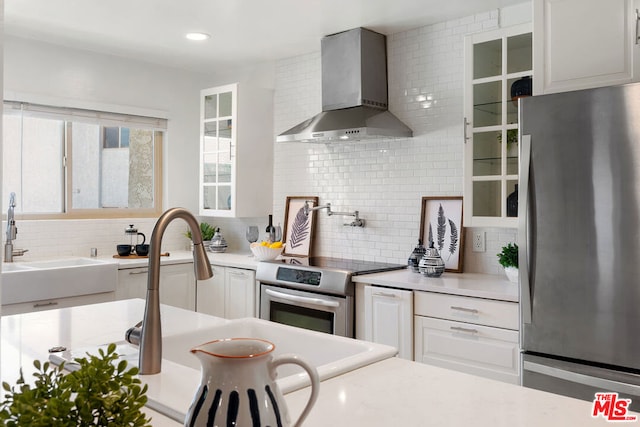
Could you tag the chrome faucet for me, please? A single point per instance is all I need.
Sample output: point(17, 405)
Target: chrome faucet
point(12, 232)
point(150, 337)
point(357, 222)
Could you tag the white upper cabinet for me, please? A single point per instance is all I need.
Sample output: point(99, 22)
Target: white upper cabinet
point(498, 64)
point(236, 151)
point(582, 44)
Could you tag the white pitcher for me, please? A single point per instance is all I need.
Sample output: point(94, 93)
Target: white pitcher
point(238, 385)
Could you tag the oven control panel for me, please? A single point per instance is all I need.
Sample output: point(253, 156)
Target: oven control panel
point(304, 277)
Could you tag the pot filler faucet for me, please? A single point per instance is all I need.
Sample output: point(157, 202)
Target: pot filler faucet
point(357, 222)
point(149, 337)
point(12, 232)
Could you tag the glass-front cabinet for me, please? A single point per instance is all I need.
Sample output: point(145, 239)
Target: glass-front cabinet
point(218, 145)
point(236, 151)
point(498, 71)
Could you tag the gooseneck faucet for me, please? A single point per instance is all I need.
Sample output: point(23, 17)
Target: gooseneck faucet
point(150, 355)
point(12, 232)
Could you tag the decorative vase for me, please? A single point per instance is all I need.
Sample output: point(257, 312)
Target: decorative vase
point(414, 259)
point(238, 385)
point(520, 88)
point(218, 243)
point(431, 264)
point(512, 274)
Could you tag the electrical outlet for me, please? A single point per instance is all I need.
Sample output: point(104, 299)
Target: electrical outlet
point(478, 241)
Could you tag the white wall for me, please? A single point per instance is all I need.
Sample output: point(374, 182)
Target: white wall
point(49, 74)
point(386, 180)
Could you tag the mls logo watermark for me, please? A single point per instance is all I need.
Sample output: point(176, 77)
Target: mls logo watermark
point(612, 408)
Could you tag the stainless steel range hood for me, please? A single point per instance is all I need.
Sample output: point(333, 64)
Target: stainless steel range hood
point(354, 92)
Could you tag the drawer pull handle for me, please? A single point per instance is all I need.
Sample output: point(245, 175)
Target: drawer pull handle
point(468, 330)
point(131, 273)
point(384, 294)
point(45, 304)
point(466, 310)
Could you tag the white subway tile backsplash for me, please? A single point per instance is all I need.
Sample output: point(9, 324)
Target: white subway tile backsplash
point(77, 237)
point(384, 180)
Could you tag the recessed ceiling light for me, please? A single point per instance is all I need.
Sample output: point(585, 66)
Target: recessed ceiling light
point(198, 36)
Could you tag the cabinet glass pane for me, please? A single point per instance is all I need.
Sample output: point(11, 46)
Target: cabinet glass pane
point(210, 106)
point(512, 198)
point(224, 146)
point(209, 197)
point(210, 129)
point(225, 104)
point(224, 198)
point(512, 151)
point(486, 153)
point(512, 104)
point(486, 198)
point(210, 144)
point(487, 108)
point(487, 59)
point(519, 53)
point(210, 168)
point(224, 173)
point(224, 128)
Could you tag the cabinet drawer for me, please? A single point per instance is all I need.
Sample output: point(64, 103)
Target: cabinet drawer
point(32, 306)
point(481, 350)
point(501, 314)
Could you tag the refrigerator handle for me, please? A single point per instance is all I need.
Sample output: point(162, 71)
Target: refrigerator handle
point(523, 222)
point(599, 383)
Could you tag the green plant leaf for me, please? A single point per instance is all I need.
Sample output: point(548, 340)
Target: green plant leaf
point(508, 257)
point(99, 393)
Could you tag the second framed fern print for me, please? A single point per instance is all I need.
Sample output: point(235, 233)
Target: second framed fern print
point(441, 224)
point(299, 228)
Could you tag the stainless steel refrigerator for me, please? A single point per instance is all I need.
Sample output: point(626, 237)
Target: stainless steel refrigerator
point(579, 242)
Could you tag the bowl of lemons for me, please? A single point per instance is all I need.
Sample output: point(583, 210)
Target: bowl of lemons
point(265, 251)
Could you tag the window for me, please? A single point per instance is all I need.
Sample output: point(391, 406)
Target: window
point(70, 163)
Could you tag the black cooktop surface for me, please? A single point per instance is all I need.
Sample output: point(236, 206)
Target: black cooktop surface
point(354, 267)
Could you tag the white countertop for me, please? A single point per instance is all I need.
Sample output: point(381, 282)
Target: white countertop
point(396, 392)
point(226, 259)
point(391, 392)
point(467, 284)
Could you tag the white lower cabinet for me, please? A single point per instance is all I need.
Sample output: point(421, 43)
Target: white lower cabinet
point(177, 284)
point(388, 318)
point(230, 293)
point(31, 306)
point(472, 335)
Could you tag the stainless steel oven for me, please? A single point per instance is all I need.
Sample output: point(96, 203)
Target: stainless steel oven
point(313, 293)
point(318, 312)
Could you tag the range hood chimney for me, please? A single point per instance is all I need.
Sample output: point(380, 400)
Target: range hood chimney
point(354, 92)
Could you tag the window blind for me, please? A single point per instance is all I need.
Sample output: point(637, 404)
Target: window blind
point(102, 118)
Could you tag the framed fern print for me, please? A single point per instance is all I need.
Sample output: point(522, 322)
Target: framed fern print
point(299, 228)
point(441, 224)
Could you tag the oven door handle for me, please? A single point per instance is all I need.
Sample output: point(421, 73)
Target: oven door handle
point(296, 298)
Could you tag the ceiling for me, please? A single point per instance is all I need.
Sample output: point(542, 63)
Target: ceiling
point(242, 31)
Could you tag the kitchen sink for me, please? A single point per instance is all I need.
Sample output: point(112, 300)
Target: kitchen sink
point(63, 263)
point(331, 355)
point(11, 267)
point(57, 278)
